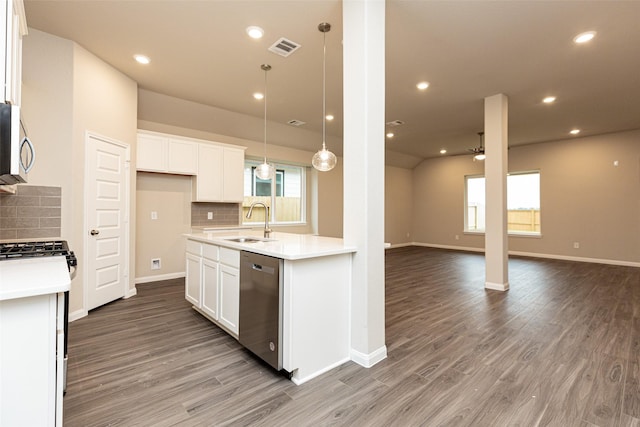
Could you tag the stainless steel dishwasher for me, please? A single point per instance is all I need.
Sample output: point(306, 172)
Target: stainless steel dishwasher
point(260, 327)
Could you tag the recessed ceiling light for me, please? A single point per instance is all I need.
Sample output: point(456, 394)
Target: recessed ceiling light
point(574, 131)
point(584, 37)
point(443, 151)
point(549, 99)
point(258, 95)
point(142, 59)
point(390, 135)
point(422, 85)
point(329, 117)
point(255, 32)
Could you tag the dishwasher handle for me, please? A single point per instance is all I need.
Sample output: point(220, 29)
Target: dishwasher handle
point(263, 268)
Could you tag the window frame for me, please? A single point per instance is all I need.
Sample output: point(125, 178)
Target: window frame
point(516, 233)
point(280, 168)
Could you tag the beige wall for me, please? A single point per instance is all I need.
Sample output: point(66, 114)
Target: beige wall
point(67, 91)
point(584, 198)
point(398, 205)
point(170, 197)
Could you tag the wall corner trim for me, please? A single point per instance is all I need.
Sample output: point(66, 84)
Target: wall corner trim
point(368, 360)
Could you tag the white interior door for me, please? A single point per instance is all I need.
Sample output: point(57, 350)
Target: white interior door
point(107, 198)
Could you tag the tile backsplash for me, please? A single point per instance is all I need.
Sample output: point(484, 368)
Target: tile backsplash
point(34, 211)
point(224, 214)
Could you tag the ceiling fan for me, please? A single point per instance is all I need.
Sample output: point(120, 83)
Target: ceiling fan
point(478, 151)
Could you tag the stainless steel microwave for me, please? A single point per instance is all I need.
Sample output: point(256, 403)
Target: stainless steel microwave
point(17, 154)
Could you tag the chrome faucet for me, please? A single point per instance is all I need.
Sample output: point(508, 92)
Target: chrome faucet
point(267, 230)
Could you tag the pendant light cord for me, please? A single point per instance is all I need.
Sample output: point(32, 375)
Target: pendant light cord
point(265, 113)
point(324, 84)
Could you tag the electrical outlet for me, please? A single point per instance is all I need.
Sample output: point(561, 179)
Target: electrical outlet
point(457, 237)
point(154, 215)
point(155, 263)
point(209, 215)
point(576, 245)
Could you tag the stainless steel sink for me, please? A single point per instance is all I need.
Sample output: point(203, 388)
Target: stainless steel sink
point(245, 239)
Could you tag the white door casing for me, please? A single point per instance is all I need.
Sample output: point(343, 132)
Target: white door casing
point(107, 189)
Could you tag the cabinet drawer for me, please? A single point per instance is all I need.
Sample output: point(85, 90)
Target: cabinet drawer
point(194, 247)
point(210, 252)
point(230, 257)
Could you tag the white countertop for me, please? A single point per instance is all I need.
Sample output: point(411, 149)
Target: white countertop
point(27, 277)
point(279, 245)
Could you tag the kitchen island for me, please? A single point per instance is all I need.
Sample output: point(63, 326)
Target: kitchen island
point(315, 301)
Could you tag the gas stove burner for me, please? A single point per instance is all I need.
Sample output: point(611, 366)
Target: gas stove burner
point(14, 250)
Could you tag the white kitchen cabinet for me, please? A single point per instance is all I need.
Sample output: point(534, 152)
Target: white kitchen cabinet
point(210, 274)
point(31, 358)
point(212, 283)
point(15, 27)
point(159, 153)
point(193, 287)
point(208, 183)
point(182, 157)
point(233, 175)
point(229, 297)
point(220, 174)
point(152, 152)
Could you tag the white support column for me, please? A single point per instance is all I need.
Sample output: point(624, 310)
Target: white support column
point(364, 102)
point(495, 171)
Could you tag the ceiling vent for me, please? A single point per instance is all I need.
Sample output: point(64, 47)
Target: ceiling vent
point(296, 123)
point(284, 47)
point(395, 123)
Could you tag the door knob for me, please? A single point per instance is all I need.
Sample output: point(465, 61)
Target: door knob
point(94, 232)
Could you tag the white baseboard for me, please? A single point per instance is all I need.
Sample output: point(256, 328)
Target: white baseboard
point(497, 286)
point(298, 381)
point(78, 314)
point(368, 360)
point(156, 278)
point(131, 293)
point(399, 245)
point(577, 259)
point(455, 248)
point(536, 255)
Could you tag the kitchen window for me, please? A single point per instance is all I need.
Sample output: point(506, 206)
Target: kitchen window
point(285, 194)
point(523, 203)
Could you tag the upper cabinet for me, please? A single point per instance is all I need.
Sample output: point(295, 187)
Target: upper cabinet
point(159, 153)
point(14, 26)
point(218, 169)
point(220, 174)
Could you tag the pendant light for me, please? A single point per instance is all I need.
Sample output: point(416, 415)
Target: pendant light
point(324, 160)
point(480, 155)
point(265, 170)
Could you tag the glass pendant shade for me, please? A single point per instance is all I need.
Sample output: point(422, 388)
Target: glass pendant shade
point(481, 156)
point(265, 171)
point(324, 160)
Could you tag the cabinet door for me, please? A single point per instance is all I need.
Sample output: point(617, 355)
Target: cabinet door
point(229, 298)
point(209, 179)
point(210, 288)
point(192, 287)
point(182, 157)
point(151, 153)
point(233, 175)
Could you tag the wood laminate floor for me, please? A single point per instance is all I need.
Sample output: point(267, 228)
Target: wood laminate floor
point(560, 348)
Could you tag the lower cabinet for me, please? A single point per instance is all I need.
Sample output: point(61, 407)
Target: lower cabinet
point(210, 290)
point(229, 297)
point(193, 270)
point(212, 283)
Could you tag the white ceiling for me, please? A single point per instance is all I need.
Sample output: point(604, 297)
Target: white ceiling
point(467, 50)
